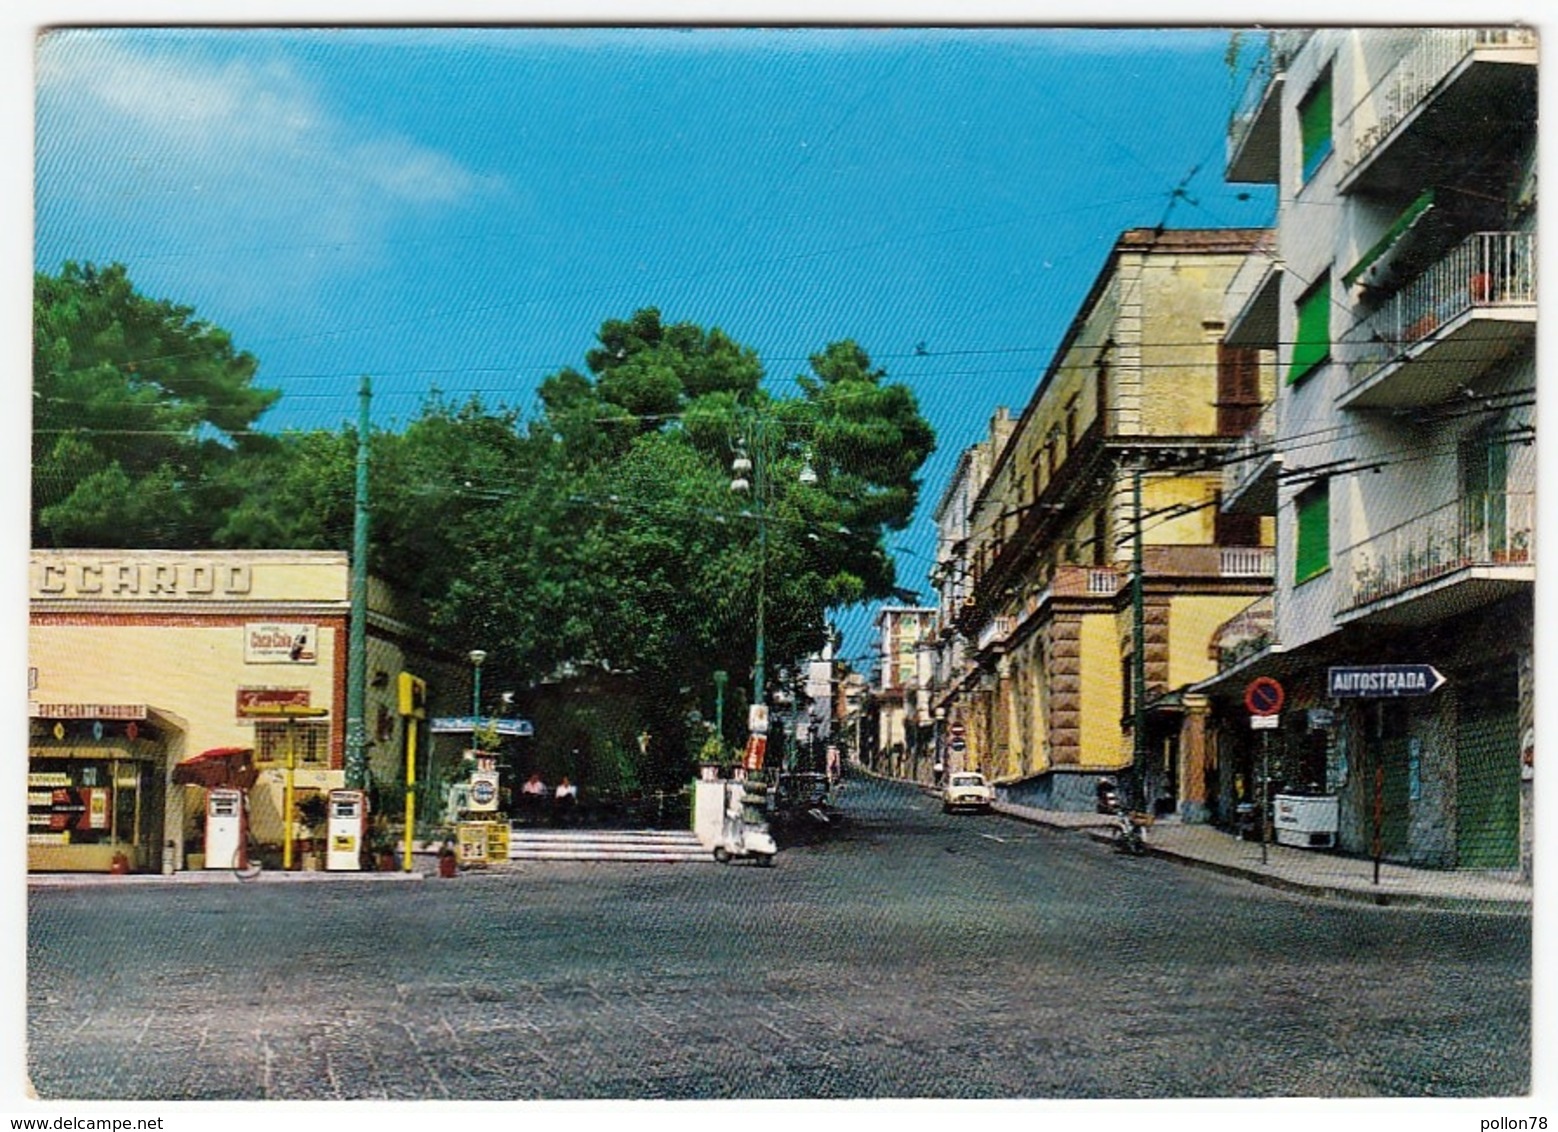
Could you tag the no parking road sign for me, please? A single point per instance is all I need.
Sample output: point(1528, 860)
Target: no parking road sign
point(1264, 696)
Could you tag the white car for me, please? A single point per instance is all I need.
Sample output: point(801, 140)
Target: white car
point(967, 790)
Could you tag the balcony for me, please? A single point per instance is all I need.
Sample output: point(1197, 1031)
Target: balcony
point(1467, 553)
point(995, 632)
point(1257, 289)
point(1208, 562)
point(1250, 476)
point(1245, 634)
point(1454, 84)
point(1255, 125)
point(1431, 338)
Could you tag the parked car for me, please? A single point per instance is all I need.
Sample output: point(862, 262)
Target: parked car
point(800, 790)
point(967, 790)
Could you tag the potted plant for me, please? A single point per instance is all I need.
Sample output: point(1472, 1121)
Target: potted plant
point(312, 811)
point(712, 755)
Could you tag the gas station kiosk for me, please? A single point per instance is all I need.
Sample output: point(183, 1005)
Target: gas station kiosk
point(227, 840)
point(346, 830)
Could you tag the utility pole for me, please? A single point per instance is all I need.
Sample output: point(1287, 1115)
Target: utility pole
point(759, 487)
point(357, 644)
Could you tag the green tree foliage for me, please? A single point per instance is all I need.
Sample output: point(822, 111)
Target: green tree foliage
point(598, 541)
point(135, 404)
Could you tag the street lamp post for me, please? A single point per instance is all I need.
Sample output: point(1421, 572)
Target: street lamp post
point(477, 657)
point(757, 466)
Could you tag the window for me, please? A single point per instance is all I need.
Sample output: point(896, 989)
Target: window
point(1238, 389)
point(1314, 127)
point(1314, 532)
point(1312, 341)
point(310, 736)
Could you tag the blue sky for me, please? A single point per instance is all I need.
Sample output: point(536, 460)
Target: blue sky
point(461, 209)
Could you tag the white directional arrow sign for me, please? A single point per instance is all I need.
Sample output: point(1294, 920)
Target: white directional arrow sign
point(1383, 681)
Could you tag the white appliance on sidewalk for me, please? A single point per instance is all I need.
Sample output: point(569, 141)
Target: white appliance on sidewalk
point(1306, 821)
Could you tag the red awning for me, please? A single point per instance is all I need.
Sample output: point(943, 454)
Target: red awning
point(230, 768)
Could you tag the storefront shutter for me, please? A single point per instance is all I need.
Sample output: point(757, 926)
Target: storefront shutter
point(1487, 825)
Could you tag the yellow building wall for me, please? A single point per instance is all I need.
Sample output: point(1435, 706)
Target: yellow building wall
point(1195, 527)
point(1103, 744)
point(1178, 352)
point(1193, 618)
point(193, 672)
point(190, 674)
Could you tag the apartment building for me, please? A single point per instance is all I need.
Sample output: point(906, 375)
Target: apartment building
point(1396, 456)
point(1098, 562)
point(954, 666)
point(906, 636)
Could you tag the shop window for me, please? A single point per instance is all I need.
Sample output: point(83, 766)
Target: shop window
point(1314, 128)
point(310, 738)
point(1313, 507)
point(1312, 341)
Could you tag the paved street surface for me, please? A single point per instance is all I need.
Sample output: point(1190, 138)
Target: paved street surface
point(897, 953)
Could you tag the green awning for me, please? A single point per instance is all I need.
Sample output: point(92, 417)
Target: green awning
point(1398, 229)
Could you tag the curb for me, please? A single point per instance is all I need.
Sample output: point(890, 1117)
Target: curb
point(1305, 888)
point(213, 876)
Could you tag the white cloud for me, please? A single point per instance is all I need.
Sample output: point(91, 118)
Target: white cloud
point(182, 143)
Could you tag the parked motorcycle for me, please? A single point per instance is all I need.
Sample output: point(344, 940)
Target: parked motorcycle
point(1129, 828)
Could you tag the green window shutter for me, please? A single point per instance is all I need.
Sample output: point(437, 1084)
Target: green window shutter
point(1312, 343)
point(1314, 533)
point(1314, 127)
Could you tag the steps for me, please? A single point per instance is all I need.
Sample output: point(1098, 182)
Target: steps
point(654, 846)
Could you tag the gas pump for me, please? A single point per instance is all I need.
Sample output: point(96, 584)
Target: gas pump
point(227, 840)
point(344, 833)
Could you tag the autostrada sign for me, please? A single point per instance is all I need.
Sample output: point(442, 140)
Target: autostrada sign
point(1384, 680)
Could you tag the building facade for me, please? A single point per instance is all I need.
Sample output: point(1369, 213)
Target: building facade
point(955, 667)
point(906, 636)
point(138, 661)
point(1112, 475)
point(1397, 454)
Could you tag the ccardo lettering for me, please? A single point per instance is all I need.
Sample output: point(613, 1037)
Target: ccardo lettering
point(128, 579)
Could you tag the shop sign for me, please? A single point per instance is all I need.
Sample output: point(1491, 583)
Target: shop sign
point(141, 578)
point(87, 711)
point(270, 702)
point(273, 642)
point(484, 791)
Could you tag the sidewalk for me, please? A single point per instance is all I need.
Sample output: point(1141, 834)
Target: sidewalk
point(1317, 872)
point(420, 870)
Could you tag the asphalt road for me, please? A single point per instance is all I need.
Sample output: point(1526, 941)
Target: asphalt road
point(897, 953)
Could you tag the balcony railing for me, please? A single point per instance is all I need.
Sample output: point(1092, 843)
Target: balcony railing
point(1187, 561)
point(1436, 53)
point(1480, 530)
point(1487, 270)
point(995, 632)
point(1246, 561)
point(1245, 633)
point(1254, 99)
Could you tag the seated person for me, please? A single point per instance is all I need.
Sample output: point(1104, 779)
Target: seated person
point(564, 799)
point(532, 795)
